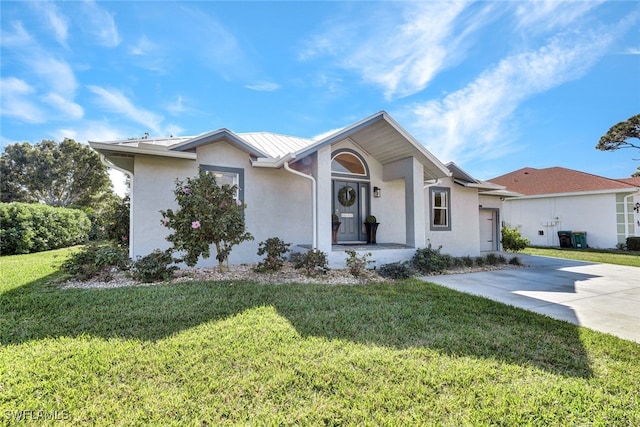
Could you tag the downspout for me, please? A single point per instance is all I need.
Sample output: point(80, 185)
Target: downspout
point(313, 200)
point(108, 164)
point(626, 212)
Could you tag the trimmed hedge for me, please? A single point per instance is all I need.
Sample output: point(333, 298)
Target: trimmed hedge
point(26, 228)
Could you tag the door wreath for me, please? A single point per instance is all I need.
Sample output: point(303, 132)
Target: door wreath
point(347, 196)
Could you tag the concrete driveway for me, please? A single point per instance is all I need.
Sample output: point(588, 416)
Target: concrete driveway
point(603, 297)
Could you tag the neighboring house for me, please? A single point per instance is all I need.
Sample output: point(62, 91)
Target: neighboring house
point(292, 186)
point(558, 199)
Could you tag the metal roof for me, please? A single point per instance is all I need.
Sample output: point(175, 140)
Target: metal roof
point(275, 145)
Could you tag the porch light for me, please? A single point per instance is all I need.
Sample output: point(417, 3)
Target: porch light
point(376, 192)
point(635, 208)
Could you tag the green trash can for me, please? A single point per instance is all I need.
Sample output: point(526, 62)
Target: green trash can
point(579, 239)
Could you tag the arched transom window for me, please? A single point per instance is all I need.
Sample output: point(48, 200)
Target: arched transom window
point(348, 163)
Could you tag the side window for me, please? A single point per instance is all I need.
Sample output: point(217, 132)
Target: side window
point(440, 202)
point(228, 176)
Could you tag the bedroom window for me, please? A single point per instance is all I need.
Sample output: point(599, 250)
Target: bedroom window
point(440, 201)
point(228, 176)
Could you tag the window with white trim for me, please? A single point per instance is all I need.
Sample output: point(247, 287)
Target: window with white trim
point(440, 201)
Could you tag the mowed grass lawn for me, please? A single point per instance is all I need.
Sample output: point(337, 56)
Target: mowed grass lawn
point(239, 353)
point(631, 259)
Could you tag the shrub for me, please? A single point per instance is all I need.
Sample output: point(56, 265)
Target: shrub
point(467, 261)
point(512, 240)
point(96, 261)
point(275, 249)
point(429, 260)
point(515, 261)
point(116, 222)
point(396, 270)
point(26, 228)
point(154, 267)
point(492, 259)
point(312, 261)
point(480, 261)
point(633, 243)
point(357, 265)
point(208, 214)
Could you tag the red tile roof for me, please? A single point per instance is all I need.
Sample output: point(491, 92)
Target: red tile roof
point(530, 181)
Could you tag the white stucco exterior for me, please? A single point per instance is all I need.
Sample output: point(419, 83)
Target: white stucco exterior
point(600, 215)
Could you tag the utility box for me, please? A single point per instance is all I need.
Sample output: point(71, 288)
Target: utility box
point(566, 239)
point(579, 239)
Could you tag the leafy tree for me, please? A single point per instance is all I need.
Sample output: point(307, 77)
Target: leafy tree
point(64, 174)
point(208, 214)
point(618, 136)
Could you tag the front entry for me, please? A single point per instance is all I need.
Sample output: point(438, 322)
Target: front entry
point(350, 203)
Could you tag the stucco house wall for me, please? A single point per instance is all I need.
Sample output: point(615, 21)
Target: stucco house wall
point(540, 219)
point(152, 184)
point(463, 238)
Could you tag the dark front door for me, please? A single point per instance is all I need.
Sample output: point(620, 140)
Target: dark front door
point(349, 201)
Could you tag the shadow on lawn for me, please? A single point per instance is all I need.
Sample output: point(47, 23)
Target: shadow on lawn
point(410, 314)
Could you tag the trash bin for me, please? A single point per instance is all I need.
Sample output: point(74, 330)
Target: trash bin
point(566, 239)
point(579, 239)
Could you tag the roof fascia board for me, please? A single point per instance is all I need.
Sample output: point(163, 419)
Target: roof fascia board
point(98, 146)
point(220, 134)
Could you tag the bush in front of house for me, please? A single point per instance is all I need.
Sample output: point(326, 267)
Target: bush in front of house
point(27, 228)
point(633, 243)
point(96, 261)
point(312, 262)
point(154, 267)
point(430, 260)
point(397, 270)
point(512, 240)
point(357, 265)
point(209, 214)
point(275, 249)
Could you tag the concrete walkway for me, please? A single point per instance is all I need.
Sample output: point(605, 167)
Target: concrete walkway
point(603, 297)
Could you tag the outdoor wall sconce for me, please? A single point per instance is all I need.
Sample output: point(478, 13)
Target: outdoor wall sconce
point(635, 208)
point(376, 192)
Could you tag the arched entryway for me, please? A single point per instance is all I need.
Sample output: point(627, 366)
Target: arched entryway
point(351, 195)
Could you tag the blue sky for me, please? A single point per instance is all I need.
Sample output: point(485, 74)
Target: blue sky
point(494, 86)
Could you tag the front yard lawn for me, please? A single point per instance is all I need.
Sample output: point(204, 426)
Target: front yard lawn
point(629, 258)
point(241, 353)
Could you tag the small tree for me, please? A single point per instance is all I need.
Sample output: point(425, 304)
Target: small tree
point(209, 214)
point(619, 136)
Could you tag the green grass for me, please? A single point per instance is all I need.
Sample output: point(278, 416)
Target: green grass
point(631, 259)
point(239, 353)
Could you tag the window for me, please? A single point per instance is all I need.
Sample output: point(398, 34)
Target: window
point(348, 163)
point(440, 202)
point(228, 176)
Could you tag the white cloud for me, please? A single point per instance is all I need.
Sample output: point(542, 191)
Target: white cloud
point(264, 86)
point(176, 107)
point(70, 109)
point(401, 52)
point(475, 121)
point(115, 101)
point(56, 21)
point(101, 24)
point(545, 15)
point(57, 73)
point(16, 101)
